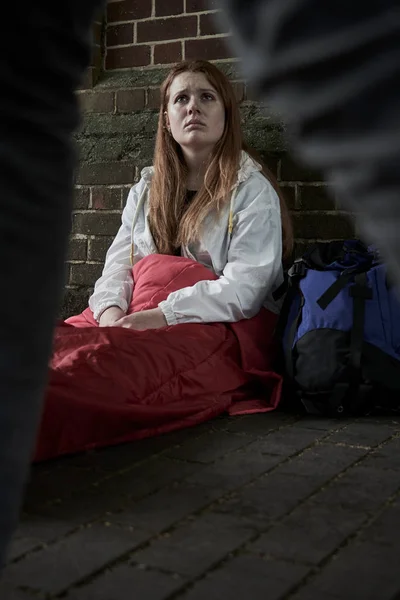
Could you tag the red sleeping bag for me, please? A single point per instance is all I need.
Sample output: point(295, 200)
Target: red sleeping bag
point(110, 385)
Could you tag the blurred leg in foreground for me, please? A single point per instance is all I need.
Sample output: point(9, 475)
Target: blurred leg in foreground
point(331, 68)
point(40, 70)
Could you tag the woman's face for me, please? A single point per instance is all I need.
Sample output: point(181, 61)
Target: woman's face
point(195, 113)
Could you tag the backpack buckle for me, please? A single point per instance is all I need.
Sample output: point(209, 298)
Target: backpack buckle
point(298, 269)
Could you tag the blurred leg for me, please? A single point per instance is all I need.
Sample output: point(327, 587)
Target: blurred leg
point(38, 112)
point(332, 69)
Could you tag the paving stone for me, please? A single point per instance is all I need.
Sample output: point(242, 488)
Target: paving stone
point(193, 519)
point(366, 571)
point(309, 534)
point(118, 458)
point(59, 483)
point(323, 424)
point(363, 433)
point(248, 577)
point(127, 583)
point(286, 441)
point(269, 498)
point(208, 448)
point(235, 470)
point(385, 529)
point(324, 461)
point(114, 493)
point(59, 566)
point(361, 488)
point(387, 457)
point(11, 593)
point(261, 424)
point(194, 547)
point(162, 509)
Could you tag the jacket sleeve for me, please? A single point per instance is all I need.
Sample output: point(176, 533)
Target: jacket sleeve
point(254, 263)
point(115, 286)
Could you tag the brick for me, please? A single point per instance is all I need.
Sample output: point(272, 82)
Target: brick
point(98, 248)
point(208, 448)
point(130, 100)
point(107, 173)
point(310, 534)
point(166, 29)
point(239, 89)
point(247, 577)
point(212, 24)
point(88, 78)
point(118, 35)
point(85, 274)
point(322, 226)
point(362, 488)
point(164, 508)
point(77, 249)
point(315, 197)
point(105, 198)
point(209, 49)
point(167, 53)
point(128, 10)
point(97, 102)
point(289, 194)
point(293, 171)
point(201, 5)
point(73, 302)
point(128, 583)
point(164, 8)
point(126, 57)
point(194, 547)
point(153, 98)
point(96, 223)
point(81, 197)
point(97, 33)
point(96, 57)
point(60, 565)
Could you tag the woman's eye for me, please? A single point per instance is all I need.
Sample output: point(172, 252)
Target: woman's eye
point(181, 99)
point(208, 96)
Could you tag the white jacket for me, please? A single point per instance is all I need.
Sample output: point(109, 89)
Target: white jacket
point(244, 244)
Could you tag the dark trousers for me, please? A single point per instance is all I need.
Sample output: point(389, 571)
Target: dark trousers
point(43, 58)
point(332, 69)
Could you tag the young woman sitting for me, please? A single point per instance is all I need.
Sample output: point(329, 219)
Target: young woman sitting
point(185, 303)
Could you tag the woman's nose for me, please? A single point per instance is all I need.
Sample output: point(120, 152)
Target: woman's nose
point(193, 106)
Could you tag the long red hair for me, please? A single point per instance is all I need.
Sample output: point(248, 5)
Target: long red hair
point(171, 224)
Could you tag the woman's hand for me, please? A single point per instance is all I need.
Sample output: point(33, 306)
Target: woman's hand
point(110, 316)
point(147, 319)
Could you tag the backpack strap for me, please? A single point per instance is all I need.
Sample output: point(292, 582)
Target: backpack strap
point(351, 395)
point(333, 290)
point(297, 271)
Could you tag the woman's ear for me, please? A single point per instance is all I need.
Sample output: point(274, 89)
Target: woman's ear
point(166, 122)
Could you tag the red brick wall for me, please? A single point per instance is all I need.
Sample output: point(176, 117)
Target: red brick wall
point(141, 33)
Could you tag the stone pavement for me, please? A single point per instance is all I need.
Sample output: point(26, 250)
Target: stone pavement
point(253, 508)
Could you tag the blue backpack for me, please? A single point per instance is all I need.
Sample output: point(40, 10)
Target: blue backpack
point(340, 328)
